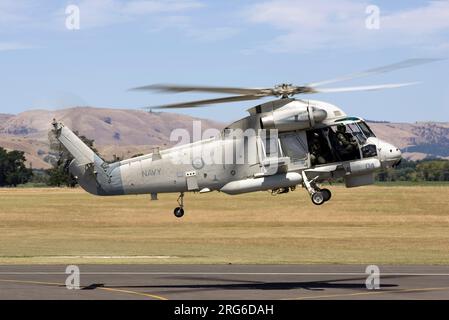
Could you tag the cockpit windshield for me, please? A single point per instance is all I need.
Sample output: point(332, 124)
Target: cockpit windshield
point(357, 133)
point(366, 130)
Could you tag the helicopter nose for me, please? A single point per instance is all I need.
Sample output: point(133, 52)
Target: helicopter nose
point(390, 155)
point(395, 156)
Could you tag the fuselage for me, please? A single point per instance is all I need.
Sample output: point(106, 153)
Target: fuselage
point(268, 149)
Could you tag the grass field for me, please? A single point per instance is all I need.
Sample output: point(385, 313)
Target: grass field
point(376, 224)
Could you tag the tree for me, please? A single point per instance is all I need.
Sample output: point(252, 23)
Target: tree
point(423, 170)
point(59, 175)
point(12, 168)
point(435, 170)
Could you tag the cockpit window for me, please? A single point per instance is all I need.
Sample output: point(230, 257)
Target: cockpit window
point(357, 133)
point(366, 130)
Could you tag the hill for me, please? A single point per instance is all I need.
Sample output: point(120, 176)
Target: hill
point(4, 117)
point(116, 132)
point(124, 133)
point(417, 140)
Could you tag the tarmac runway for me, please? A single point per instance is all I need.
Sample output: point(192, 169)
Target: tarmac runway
point(234, 282)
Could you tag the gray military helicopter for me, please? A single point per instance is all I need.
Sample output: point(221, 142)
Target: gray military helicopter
point(281, 144)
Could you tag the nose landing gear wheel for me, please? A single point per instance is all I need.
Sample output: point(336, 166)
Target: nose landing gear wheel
point(318, 198)
point(326, 194)
point(178, 212)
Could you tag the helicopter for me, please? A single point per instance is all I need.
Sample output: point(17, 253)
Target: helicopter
point(280, 145)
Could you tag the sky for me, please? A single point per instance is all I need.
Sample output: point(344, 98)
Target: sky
point(47, 62)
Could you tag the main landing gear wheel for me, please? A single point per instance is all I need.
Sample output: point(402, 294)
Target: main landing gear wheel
point(318, 198)
point(178, 212)
point(327, 194)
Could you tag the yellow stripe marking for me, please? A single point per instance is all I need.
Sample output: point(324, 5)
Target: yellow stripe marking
point(33, 282)
point(99, 288)
point(134, 292)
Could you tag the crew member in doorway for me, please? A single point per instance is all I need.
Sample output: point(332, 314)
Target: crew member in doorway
point(316, 151)
point(346, 141)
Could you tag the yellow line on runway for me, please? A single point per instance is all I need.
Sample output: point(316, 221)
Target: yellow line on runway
point(32, 282)
point(99, 288)
point(369, 293)
point(134, 292)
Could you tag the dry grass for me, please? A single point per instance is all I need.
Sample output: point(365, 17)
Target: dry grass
point(376, 224)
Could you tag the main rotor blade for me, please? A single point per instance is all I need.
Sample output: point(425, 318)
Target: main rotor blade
point(192, 104)
point(364, 88)
point(185, 88)
point(388, 68)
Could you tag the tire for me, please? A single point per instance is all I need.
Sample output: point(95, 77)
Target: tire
point(318, 198)
point(178, 212)
point(327, 194)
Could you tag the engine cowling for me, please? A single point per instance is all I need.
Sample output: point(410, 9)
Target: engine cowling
point(290, 119)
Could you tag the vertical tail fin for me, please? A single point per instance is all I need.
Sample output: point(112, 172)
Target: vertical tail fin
point(93, 174)
point(87, 167)
point(77, 148)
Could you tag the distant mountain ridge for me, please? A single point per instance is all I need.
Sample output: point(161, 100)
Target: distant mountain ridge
point(122, 133)
point(4, 117)
point(417, 140)
point(125, 133)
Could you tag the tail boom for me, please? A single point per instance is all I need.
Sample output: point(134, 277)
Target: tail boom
point(92, 173)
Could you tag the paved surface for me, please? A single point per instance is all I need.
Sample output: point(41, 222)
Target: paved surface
point(223, 282)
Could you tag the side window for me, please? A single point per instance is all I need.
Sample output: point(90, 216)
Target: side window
point(293, 146)
point(370, 150)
